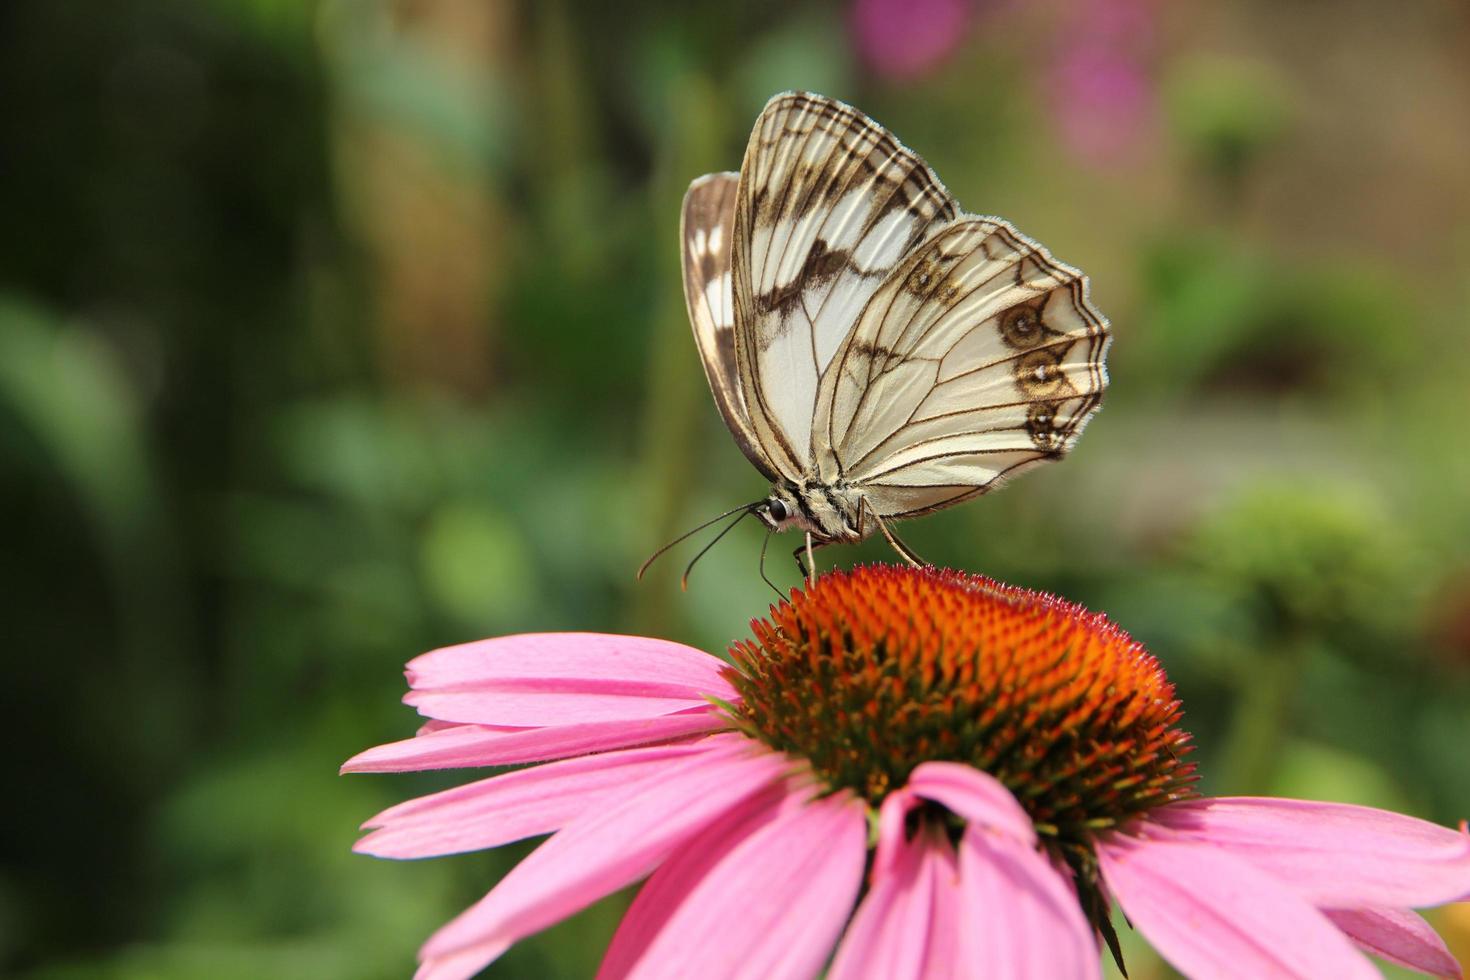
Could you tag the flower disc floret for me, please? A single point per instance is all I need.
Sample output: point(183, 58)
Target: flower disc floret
point(869, 674)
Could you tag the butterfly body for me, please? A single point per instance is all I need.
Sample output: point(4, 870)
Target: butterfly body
point(876, 352)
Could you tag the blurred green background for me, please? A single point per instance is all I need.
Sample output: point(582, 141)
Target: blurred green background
point(333, 332)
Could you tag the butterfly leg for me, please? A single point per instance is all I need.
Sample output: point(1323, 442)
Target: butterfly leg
point(764, 576)
point(904, 551)
point(809, 566)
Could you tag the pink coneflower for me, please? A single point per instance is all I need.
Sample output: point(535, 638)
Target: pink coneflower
point(1017, 758)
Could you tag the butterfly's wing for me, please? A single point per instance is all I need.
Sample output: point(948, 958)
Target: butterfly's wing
point(979, 356)
point(706, 229)
point(828, 204)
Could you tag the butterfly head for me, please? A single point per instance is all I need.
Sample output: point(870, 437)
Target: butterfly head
point(828, 512)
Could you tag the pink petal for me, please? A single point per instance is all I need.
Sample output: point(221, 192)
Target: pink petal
point(1022, 919)
point(1399, 936)
point(560, 678)
point(772, 907)
point(476, 745)
point(1333, 854)
point(1210, 914)
point(459, 966)
point(573, 656)
point(974, 795)
point(512, 806)
point(591, 702)
point(608, 848)
point(906, 927)
point(661, 896)
point(893, 840)
point(946, 920)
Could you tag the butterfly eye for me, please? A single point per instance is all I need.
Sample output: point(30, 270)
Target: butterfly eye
point(777, 510)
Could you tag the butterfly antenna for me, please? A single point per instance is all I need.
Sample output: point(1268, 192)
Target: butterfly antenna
point(748, 508)
point(684, 579)
point(764, 577)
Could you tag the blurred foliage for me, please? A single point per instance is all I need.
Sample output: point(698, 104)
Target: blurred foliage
point(331, 332)
point(1227, 112)
point(1312, 560)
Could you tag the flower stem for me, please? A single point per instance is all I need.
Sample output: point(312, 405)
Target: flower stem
point(689, 146)
point(1267, 691)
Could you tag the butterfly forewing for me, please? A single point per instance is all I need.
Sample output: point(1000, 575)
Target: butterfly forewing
point(829, 203)
point(707, 229)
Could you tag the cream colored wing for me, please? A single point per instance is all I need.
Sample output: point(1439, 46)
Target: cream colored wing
point(979, 356)
point(829, 202)
point(706, 228)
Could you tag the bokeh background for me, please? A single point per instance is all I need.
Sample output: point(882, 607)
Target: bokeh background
point(332, 332)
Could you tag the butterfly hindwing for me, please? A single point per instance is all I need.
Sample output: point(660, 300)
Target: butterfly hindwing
point(980, 355)
point(706, 231)
point(829, 203)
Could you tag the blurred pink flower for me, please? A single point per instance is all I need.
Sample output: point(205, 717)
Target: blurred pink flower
point(908, 38)
point(657, 760)
point(1099, 86)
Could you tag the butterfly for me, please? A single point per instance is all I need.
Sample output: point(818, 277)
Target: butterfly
point(876, 352)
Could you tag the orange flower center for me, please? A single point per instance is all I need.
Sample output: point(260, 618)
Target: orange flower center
point(868, 674)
